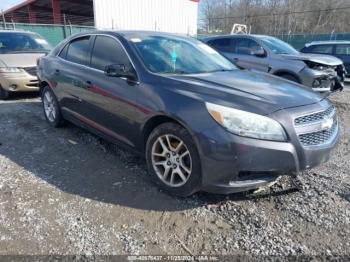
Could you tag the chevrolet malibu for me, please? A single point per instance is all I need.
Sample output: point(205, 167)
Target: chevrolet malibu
point(201, 123)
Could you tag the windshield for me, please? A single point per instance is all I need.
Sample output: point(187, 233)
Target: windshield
point(278, 46)
point(175, 55)
point(11, 43)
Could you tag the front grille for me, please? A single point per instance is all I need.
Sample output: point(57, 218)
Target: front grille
point(31, 70)
point(318, 138)
point(316, 117)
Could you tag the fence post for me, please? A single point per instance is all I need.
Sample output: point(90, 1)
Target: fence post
point(64, 26)
point(3, 19)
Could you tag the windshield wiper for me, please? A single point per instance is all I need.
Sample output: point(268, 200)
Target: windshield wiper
point(175, 72)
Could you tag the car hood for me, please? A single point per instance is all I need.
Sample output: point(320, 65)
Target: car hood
point(321, 59)
point(256, 92)
point(19, 60)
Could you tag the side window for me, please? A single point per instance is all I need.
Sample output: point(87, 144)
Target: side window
point(78, 50)
point(342, 50)
point(107, 51)
point(246, 46)
point(322, 49)
point(223, 44)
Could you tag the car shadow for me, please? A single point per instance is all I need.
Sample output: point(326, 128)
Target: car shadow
point(81, 164)
point(15, 96)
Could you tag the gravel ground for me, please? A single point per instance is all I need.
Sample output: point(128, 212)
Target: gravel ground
point(65, 191)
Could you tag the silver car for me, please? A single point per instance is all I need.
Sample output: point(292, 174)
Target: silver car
point(268, 54)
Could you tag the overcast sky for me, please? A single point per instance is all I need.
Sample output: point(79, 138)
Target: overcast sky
point(5, 4)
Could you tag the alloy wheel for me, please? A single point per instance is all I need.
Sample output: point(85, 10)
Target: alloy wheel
point(171, 160)
point(49, 106)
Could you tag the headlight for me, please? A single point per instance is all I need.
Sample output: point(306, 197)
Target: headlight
point(247, 124)
point(10, 70)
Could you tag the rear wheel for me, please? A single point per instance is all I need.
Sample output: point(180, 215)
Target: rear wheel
point(51, 107)
point(173, 160)
point(3, 93)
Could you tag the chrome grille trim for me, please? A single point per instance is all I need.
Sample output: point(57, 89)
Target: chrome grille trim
point(315, 117)
point(319, 137)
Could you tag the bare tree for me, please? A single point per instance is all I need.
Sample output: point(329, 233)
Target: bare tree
point(277, 17)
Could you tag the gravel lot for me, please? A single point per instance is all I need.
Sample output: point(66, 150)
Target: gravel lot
point(65, 191)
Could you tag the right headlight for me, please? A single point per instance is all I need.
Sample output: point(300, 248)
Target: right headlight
point(247, 124)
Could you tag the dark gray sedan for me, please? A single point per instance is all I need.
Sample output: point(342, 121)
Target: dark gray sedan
point(201, 123)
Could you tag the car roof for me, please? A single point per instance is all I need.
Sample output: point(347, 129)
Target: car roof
point(234, 36)
point(329, 42)
point(130, 33)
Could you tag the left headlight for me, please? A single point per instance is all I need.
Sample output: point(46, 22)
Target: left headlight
point(10, 70)
point(247, 124)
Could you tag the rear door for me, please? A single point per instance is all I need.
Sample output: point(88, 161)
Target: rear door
point(71, 73)
point(242, 55)
point(342, 51)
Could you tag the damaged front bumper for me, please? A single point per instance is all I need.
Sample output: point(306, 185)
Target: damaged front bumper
point(329, 79)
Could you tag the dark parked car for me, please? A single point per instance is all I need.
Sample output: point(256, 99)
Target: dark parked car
point(201, 123)
point(269, 54)
point(340, 49)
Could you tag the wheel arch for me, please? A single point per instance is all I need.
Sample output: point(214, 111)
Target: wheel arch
point(282, 72)
point(42, 85)
point(157, 120)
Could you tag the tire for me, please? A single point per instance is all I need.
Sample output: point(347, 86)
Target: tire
point(55, 119)
point(188, 164)
point(3, 93)
point(290, 78)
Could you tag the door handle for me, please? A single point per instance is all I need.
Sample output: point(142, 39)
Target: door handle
point(235, 59)
point(57, 72)
point(88, 84)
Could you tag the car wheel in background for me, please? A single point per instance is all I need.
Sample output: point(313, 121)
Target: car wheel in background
point(290, 78)
point(173, 160)
point(51, 107)
point(3, 93)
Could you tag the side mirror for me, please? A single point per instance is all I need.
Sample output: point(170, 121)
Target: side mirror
point(260, 52)
point(120, 70)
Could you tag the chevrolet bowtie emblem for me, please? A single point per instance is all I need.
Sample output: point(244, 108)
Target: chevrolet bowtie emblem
point(327, 124)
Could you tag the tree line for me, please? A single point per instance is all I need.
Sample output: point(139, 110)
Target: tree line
point(276, 17)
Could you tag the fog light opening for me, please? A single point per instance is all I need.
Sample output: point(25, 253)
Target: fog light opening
point(13, 87)
point(316, 83)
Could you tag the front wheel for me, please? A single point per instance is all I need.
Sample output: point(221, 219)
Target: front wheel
point(173, 160)
point(51, 108)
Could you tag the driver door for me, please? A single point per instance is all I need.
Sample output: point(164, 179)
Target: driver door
point(244, 58)
point(111, 101)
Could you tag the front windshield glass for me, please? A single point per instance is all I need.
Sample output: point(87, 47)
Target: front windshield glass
point(278, 46)
point(12, 43)
point(175, 55)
